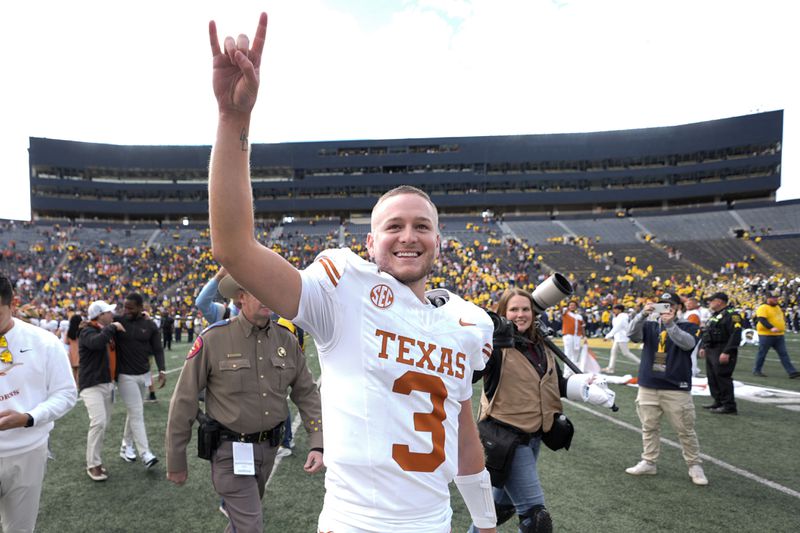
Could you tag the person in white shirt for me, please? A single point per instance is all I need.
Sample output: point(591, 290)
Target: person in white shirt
point(619, 332)
point(396, 362)
point(36, 388)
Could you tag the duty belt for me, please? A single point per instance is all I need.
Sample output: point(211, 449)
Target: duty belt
point(273, 435)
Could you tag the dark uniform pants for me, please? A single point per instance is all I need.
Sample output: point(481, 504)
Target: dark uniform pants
point(720, 377)
point(242, 495)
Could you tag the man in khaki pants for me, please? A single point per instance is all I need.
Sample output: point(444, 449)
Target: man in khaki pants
point(665, 382)
point(246, 365)
point(36, 388)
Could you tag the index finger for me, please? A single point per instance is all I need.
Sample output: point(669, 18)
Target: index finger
point(212, 35)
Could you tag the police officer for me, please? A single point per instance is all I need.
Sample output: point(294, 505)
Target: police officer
point(246, 364)
point(720, 343)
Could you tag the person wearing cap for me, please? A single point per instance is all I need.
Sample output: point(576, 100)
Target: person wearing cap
point(214, 311)
point(719, 344)
point(246, 365)
point(665, 382)
point(771, 326)
point(36, 388)
point(97, 362)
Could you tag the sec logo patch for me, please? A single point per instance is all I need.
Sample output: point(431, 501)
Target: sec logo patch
point(381, 296)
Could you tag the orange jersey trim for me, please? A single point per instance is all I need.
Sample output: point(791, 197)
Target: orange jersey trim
point(330, 270)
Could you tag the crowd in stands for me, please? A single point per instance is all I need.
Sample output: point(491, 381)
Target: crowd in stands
point(56, 273)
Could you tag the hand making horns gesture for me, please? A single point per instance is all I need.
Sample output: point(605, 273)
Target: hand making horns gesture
point(236, 69)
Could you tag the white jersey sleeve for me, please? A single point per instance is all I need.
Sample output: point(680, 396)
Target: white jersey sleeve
point(319, 312)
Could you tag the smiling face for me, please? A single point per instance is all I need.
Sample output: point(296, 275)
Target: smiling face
point(132, 309)
point(519, 312)
point(404, 240)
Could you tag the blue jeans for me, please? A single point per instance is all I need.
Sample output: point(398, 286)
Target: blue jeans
point(778, 342)
point(522, 488)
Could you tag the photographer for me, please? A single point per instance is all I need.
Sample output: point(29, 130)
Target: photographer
point(665, 382)
point(522, 390)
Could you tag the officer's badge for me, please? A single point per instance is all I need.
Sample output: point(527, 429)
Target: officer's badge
point(196, 347)
point(281, 352)
point(736, 319)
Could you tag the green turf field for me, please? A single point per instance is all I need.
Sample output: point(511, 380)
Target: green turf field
point(753, 466)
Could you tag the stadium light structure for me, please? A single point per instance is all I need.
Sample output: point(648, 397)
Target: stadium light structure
point(185, 221)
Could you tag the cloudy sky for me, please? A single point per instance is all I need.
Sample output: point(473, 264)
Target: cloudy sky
point(373, 69)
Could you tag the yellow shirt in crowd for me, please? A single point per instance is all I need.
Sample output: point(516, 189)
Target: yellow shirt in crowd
point(774, 316)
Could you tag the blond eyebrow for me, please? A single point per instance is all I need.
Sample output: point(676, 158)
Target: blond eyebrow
point(401, 219)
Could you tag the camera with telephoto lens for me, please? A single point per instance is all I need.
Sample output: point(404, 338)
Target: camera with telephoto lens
point(550, 292)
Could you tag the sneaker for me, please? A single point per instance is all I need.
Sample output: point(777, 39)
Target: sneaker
point(759, 374)
point(607, 370)
point(152, 398)
point(149, 460)
point(642, 468)
point(723, 410)
point(284, 452)
point(712, 406)
point(697, 475)
point(127, 453)
point(794, 375)
point(97, 473)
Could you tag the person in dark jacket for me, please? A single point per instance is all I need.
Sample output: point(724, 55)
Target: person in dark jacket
point(720, 346)
point(665, 384)
point(96, 379)
point(167, 328)
point(140, 339)
point(522, 389)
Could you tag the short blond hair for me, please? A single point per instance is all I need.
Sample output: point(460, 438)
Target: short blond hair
point(404, 189)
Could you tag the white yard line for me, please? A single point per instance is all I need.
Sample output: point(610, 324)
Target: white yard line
point(705, 457)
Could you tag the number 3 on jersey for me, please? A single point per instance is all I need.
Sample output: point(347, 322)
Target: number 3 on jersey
point(432, 422)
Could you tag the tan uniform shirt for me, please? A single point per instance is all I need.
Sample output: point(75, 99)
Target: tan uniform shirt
point(246, 372)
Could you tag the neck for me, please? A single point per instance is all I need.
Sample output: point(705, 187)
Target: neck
point(259, 322)
point(418, 288)
point(5, 328)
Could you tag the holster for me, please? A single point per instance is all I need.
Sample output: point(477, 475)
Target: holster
point(208, 436)
point(500, 441)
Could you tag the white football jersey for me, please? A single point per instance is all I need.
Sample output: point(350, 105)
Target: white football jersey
point(394, 371)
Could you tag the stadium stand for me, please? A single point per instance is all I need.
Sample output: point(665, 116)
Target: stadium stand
point(626, 213)
point(707, 163)
point(776, 220)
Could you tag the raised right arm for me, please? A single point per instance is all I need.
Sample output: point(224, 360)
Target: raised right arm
point(265, 274)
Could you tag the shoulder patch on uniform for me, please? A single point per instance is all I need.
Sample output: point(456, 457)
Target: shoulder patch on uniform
point(196, 347)
point(736, 318)
point(217, 324)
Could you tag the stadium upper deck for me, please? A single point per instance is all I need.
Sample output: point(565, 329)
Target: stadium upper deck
point(704, 163)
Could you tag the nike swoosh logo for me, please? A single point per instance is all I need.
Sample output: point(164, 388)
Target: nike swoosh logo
point(462, 323)
point(28, 350)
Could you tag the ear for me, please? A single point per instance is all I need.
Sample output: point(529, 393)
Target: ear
point(371, 245)
point(438, 245)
